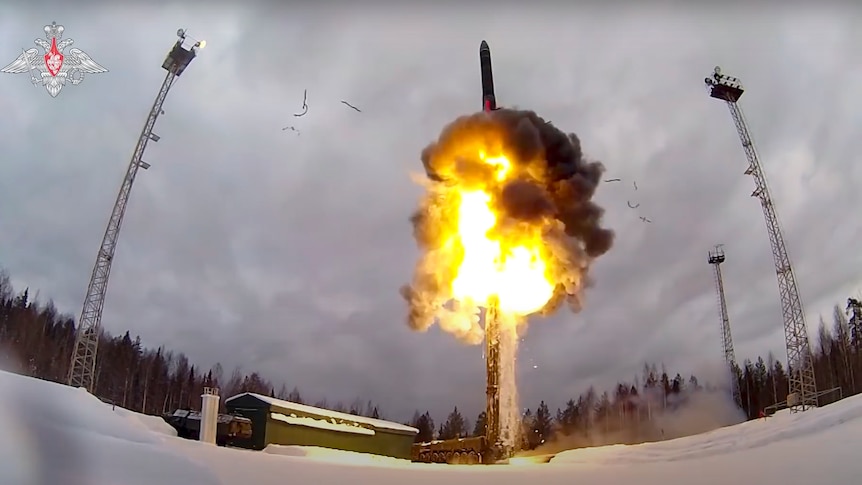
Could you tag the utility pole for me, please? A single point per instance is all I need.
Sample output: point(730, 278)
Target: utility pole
point(803, 387)
point(82, 371)
point(716, 257)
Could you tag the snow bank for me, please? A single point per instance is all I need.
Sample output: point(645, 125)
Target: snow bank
point(54, 434)
point(748, 435)
point(58, 408)
point(334, 456)
point(152, 423)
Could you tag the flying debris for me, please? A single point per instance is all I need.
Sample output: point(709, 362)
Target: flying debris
point(304, 104)
point(632, 206)
point(644, 219)
point(351, 106)
point(613, 180)
point(291, 128)
point(635, 184)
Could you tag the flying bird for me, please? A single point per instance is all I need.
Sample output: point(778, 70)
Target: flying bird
point(632, 206)
point(351, 106)
point(645, 219)
point(304, 104)
point(291, 128)
point(613, 180)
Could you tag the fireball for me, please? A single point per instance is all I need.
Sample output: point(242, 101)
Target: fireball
point(506, 222)
point(506, 269)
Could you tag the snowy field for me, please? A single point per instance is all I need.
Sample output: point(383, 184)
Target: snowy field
point(55, 435)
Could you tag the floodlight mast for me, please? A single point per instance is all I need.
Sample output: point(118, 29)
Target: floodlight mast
point(716, 258)
point(82, 371)
point(803, 388)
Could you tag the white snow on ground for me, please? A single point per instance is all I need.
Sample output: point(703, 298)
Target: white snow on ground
point(333, 456)
point(56, 435)
point(152, 423)
point(783, 426)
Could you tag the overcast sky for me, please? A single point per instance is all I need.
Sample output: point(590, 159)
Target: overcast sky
point(283, 253)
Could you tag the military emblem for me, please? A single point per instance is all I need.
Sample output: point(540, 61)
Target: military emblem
point(57, 65)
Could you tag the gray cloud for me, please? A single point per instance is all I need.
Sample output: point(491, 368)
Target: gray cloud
point(252, 246)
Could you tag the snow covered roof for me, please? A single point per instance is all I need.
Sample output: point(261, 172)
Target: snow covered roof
point(302, 408)
point(322, 424)
point(196, 416)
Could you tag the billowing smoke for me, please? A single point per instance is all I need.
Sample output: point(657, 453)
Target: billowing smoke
point(694, 413)
point(543, 193)
point(651, 415)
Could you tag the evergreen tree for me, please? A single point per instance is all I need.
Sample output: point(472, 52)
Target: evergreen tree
point(425, 425)
point(526, 435)
point(481, 423)
point(542, 425)
point(568, 418)
point(692, 381)
point(295, 397)
point(454, 426)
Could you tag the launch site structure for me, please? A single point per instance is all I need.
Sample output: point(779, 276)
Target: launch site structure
point(82, 371)
point(803, 388)
point(491, 447)
point(493, 425)
point(495, 449)
point(716, 257)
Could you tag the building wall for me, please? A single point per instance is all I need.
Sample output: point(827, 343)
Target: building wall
point(258, 413)
point(266, 430)
point(382, 443)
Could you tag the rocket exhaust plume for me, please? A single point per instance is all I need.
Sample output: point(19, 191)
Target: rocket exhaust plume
point(507, 220)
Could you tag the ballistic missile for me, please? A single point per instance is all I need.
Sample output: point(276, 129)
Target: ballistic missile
point(489, 100)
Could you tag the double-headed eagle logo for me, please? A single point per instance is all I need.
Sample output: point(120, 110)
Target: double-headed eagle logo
point(56, 66)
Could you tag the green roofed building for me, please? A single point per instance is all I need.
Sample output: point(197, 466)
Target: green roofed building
point(279, 422)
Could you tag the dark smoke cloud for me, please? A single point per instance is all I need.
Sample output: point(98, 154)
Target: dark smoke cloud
point(553, 180)
point(525, 201)
point(569, 186)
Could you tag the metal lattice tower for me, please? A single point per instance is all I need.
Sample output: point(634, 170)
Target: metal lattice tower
point(803, 387)
point(716, 257)
point(82, 371)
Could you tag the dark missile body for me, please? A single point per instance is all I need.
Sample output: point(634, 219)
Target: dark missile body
point(489, 100)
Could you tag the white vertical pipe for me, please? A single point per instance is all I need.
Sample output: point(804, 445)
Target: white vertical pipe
point(209, 415)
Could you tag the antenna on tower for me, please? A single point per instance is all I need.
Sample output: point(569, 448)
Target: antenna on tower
point(716, 257)
point(82, 371)
point(803, 387)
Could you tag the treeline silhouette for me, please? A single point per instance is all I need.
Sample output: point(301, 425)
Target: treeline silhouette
point(37, 340)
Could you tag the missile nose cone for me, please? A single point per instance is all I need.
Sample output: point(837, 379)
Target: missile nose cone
point(484, 46)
